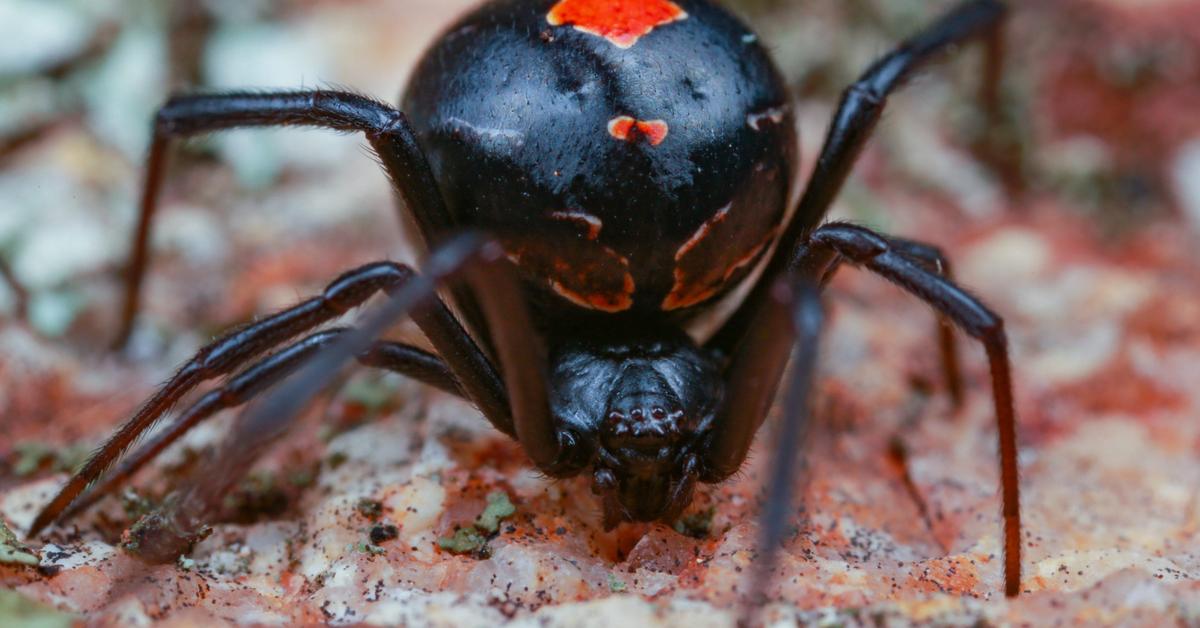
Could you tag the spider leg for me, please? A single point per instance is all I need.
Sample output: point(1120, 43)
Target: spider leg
point(475, 258)
point(861, 106)
point(386, 128)
point(20, 294)
point(801, 301)
point(862, 247)
point(228, 353)
point(758, 364)
point(933, 260)
point(241, 388)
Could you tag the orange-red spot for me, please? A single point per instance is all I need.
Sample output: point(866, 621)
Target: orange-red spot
point(630, 129)
point(621, 22)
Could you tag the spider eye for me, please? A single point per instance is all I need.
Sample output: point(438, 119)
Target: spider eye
point(658, 413)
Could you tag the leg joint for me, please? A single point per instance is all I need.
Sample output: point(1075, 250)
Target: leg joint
point(855, 243)
point(353, 288)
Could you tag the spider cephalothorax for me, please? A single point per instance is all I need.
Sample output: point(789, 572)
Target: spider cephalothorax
point(645, 408)
point(589, 176)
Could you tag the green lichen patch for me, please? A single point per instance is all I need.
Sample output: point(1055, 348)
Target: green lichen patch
point(31, 457)
point(18, 610)
point(615, 585)
point(466, 540)
point(12, 552)
point(473, 539)
point(498, 508)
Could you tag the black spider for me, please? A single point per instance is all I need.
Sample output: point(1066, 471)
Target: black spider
point(589, 175)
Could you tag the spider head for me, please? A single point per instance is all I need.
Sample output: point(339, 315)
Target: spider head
point(645, 408)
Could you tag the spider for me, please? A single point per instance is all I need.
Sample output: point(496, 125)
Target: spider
point(589, 176)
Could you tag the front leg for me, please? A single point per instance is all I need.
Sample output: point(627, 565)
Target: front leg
point(386, 129)
point(241, 388)
point(20, 294)
point(479, 378)
point(758, 364)
point(860, 110)
point(479, 261)
point(862, 247)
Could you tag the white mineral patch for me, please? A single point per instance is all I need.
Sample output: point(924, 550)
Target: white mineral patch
point(258, 56)
point(38, 33)
point(126, 89)
point(1185, 174)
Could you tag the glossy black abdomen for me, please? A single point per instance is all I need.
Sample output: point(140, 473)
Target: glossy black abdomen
point(633, 155)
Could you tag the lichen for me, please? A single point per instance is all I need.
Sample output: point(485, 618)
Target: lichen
point(473, 539)
point(499, 508)
point(12, 552)
point(18, 610)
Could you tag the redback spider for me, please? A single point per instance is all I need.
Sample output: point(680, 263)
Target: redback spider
point(589, 176)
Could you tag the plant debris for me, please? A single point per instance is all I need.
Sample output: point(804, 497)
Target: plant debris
point(159, 536)
point(473, 539)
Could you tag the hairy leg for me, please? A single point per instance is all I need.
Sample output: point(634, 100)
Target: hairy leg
point(860, 110)
point(232, 351)
point(241, 388)
point(862, 247)
point(386, 128)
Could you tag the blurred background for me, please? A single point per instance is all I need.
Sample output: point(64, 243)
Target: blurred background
point(1101, 99)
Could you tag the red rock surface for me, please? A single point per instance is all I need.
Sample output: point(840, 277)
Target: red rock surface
point(1102, 304)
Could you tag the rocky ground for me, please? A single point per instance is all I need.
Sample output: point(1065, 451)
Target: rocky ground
point(1093, 267)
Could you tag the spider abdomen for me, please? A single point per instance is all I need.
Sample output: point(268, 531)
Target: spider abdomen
point(633, 156)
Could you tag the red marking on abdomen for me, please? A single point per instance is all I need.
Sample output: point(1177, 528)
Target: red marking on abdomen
point(611, 301)
point(702, 232)
point(578, 268)
point(689, 291)
point(621, 22)
point(630, 129)
point(584, 219)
